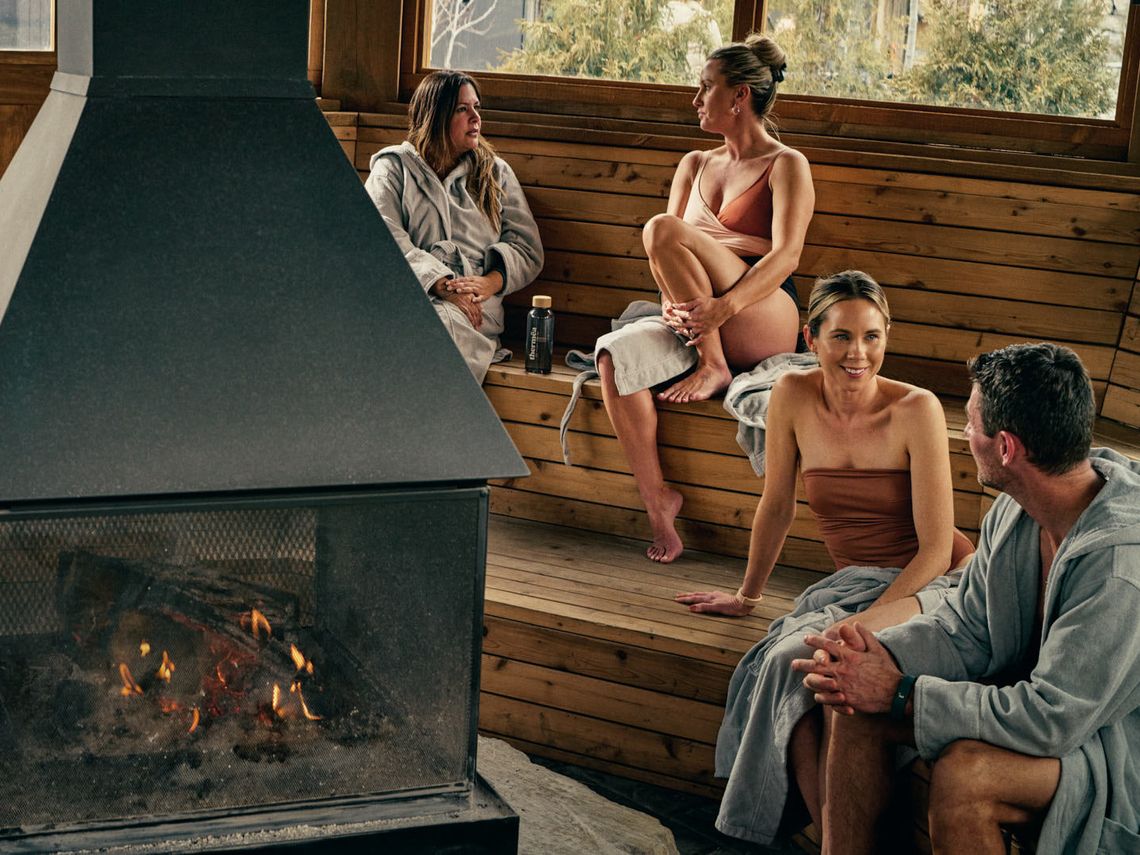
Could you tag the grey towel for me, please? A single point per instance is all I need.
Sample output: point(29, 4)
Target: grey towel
point(747, 400)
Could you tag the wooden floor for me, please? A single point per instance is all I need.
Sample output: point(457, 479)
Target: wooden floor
point(587, 659)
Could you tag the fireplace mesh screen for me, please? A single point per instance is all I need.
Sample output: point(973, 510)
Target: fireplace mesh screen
point(221, 658)
point(274, 546)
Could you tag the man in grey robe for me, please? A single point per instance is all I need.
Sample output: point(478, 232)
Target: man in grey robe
point(1023, 686)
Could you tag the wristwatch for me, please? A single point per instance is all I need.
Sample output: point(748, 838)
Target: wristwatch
point(902, 695)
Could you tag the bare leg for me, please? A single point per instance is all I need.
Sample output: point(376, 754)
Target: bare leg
point(859, 769)
point(976, 788)
point(634, 418)
point(805, 759)
point(807, 749)
point(681, 276)
point(686, 264)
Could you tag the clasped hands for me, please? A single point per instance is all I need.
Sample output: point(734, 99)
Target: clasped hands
point(849, 670)
point(696, 318)
point(467, 292)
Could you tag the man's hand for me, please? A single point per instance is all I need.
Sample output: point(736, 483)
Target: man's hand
point(850, 670)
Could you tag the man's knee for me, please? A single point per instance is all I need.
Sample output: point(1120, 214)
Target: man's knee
point(963, 773)
point(662, 230)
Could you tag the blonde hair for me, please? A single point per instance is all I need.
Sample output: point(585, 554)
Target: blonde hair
point(758, 63)
point(840, 287)
point(429, 117)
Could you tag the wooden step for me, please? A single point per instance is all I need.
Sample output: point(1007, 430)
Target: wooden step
point(586, 657)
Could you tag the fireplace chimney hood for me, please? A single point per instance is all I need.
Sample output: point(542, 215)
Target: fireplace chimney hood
point(196, 294)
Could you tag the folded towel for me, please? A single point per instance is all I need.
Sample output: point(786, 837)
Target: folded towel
point(747, 400)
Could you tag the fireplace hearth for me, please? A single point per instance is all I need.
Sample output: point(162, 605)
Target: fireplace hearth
point(193, 663)
point(244, 505)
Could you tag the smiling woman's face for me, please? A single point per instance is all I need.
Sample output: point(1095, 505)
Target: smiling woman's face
point(852, 341)
point(463, 130)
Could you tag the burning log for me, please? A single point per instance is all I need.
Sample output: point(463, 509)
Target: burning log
point(220, 655)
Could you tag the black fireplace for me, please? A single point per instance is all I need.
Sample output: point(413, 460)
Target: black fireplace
point(243, 494)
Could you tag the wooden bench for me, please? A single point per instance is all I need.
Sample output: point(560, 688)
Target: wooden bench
point(585, 657)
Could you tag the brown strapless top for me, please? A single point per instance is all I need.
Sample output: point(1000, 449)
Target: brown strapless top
point(866, 517)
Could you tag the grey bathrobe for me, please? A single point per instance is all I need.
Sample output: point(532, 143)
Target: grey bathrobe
point(1082, 700)
point(443, 233)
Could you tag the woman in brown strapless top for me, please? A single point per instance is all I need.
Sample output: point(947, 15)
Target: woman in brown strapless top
point(875, 462)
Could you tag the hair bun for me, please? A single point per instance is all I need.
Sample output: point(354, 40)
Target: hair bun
point(765, 49)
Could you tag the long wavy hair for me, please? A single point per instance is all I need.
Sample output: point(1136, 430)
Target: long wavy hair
point(429, 117)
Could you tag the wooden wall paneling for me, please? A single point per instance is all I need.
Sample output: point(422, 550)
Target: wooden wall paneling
point(1122, 400)
point(316, 42)
point(361, 52)
point(343, 126)
point(15, 119)
point(1048, 253)
point(960, 276)
point(797, 552)
point(826, 148)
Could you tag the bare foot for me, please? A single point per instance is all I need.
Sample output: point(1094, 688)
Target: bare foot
point(666, 546)
point(701, 385)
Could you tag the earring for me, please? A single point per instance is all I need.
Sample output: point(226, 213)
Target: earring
point(735, 110)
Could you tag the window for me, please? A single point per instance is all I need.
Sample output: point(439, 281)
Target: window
point(26, 25)
point(1046, 76)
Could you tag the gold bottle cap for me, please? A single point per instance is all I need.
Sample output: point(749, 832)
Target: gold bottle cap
point(540, 301)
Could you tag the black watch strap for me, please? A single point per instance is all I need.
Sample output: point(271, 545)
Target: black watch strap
point(902, 695)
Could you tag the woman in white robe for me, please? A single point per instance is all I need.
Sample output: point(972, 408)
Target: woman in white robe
point(458, 214)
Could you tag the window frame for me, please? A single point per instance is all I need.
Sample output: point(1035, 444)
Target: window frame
point(830, 121)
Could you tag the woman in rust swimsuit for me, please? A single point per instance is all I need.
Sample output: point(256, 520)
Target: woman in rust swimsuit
point(723, 256)
point(874, 458)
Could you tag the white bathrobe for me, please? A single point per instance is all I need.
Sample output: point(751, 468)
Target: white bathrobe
point(443, 233)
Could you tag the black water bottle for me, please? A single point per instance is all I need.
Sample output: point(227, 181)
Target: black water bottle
point(539, 336)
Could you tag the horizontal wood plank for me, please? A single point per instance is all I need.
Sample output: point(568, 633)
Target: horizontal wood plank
point(604, 740)
point(592, 657)
point(710, 791)
point(1123, 405)
point(613, 702)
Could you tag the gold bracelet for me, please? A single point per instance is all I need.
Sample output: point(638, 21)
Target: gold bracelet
point(751, 602)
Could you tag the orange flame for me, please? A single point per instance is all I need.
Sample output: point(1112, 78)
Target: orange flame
point(166, 669)
point(277, 701)
point(299, 659)
point(168, 706)
point(194, 719)
point(256, 621)
point(305, 708)
point(130, 687)
point(144, 648)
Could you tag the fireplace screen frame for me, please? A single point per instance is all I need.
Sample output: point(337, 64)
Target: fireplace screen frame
point(430, 530)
